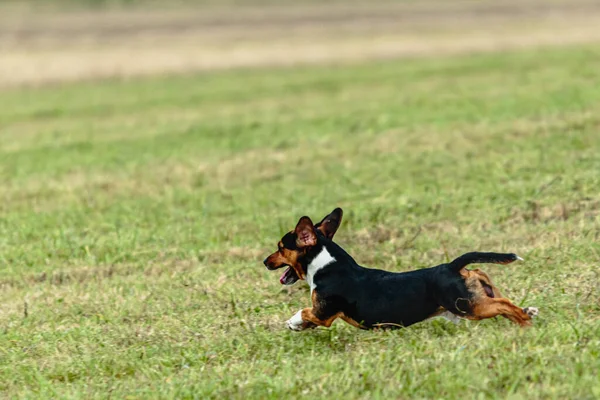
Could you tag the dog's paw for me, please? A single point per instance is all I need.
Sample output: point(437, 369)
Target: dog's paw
point(531, 311)
point(295, 323)
point(455, 319)
point(291, 325)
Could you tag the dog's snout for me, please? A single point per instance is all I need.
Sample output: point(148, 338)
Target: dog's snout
point(265, 261)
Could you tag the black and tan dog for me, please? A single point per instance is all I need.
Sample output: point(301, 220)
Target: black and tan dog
point(369, 298)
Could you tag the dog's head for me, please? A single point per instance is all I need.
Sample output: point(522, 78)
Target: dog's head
point(294, 245)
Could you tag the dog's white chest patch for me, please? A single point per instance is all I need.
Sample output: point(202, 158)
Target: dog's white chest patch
point(322, 260)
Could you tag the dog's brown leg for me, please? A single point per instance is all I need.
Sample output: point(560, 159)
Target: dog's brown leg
point(308, 314)
point(306, 318)
point(488, 307)
point(352, 322)
point(322, 313)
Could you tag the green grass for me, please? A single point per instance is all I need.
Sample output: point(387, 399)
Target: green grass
point(134, 217)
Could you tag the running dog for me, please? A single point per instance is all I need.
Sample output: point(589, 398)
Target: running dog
point(372, 298)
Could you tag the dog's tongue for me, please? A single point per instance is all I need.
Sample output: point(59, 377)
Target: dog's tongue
point(288, 277)
point(285, 276)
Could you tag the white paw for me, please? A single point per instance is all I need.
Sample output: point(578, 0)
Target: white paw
point(295, 323)
point(531, 311)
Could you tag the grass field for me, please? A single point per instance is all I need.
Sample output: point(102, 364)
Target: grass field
point(134, 217)
point(50, 46)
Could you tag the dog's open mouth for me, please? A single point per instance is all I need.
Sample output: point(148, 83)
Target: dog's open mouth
point(289, 276)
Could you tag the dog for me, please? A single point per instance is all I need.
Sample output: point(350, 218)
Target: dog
point(372, 298)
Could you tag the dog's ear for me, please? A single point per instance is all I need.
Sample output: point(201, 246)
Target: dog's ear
point(305, 233)
point(330, 224)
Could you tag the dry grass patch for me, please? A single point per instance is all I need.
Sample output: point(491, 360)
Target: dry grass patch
point(45, 48)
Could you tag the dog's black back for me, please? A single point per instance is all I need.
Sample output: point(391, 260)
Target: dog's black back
point(373, 296)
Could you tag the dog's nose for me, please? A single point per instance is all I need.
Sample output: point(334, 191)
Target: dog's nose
point(265, 261)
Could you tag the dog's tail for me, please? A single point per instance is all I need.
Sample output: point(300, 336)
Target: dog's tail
point(477, 257)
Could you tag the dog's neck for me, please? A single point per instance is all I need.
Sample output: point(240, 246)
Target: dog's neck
point(324, 255)
point(322, 260)
point(325, 250)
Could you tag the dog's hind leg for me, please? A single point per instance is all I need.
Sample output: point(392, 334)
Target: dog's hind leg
point(491, 307)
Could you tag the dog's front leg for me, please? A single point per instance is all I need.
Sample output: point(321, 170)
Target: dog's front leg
point(298, 323)
point(306, 318)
